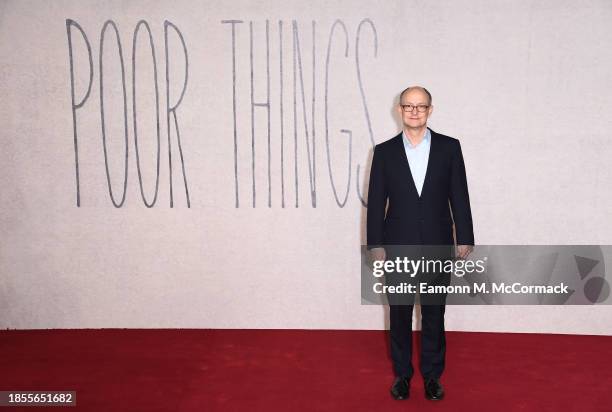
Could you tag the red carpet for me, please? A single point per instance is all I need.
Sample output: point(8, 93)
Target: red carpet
point(301, 370)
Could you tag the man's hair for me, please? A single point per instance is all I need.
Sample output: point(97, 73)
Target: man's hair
point(407, 89)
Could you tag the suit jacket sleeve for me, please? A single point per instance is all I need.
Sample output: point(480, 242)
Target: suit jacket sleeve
point(460, 199)
point(377, 201)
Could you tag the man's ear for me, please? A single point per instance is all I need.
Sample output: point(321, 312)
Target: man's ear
point(430, 110)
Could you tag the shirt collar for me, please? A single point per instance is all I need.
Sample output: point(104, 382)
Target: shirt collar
point(425, 140)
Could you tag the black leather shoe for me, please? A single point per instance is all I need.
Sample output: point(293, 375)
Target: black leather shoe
point(433, 389)
point(401, 388)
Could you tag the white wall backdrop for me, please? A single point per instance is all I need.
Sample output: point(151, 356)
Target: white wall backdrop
point(256, 216)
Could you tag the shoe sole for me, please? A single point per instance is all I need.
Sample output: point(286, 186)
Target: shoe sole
point(400, 398)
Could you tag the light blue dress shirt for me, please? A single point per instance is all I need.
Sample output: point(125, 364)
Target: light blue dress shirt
point(418, 157)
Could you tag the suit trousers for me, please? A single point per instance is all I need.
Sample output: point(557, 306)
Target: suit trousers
point(433, 340)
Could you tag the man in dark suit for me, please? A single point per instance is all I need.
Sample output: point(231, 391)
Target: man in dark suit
point(421, 174)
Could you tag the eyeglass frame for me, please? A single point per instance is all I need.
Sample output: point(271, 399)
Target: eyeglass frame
point(417, 106)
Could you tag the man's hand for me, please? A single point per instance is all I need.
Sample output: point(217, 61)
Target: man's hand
point(378, 253)
point(464, 250)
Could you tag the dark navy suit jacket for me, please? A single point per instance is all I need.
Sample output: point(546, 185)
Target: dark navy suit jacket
point(411, 219)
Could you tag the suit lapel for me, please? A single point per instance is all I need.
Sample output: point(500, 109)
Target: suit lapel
point(405, 165)
point(432, 161)
point(405, 170)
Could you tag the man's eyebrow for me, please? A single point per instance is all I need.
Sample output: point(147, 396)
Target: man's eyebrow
point(415, 104)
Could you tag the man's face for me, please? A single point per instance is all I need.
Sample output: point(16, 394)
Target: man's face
point(415, 118)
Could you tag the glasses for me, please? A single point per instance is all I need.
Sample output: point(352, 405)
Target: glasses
point(408, 108)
